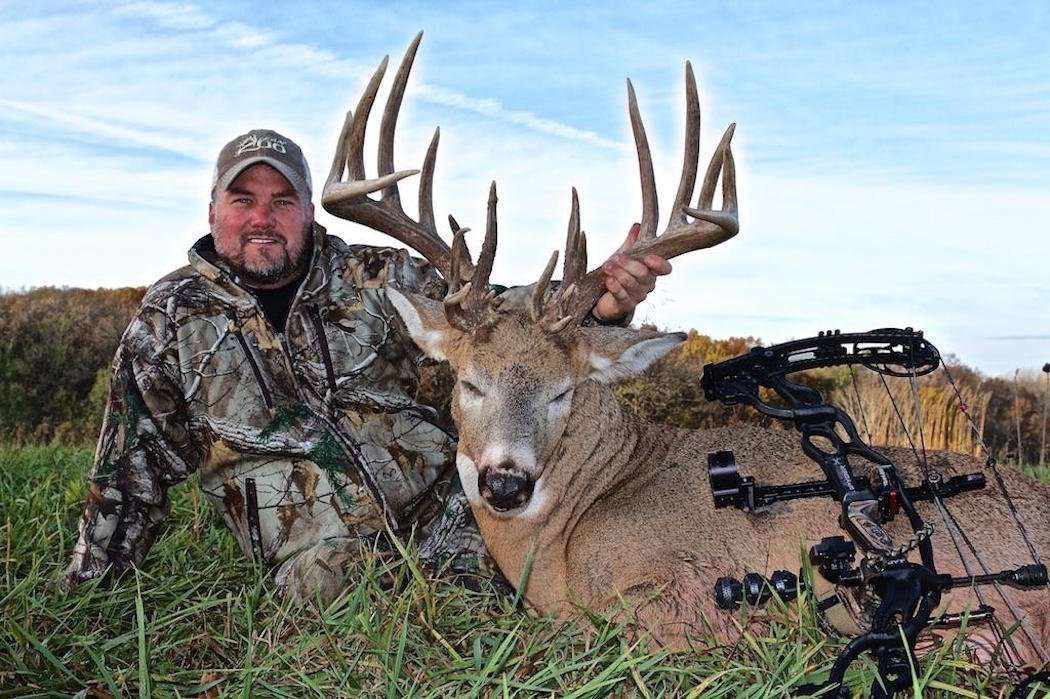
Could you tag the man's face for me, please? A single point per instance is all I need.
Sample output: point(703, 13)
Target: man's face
point(260, 227)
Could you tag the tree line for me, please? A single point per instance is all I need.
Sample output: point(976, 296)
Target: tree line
point(56, 346)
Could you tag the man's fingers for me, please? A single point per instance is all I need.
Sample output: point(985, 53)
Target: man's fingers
point(632, 284)
point(631, 266)
point(629, 281)
point(657, 264)
point(616, 289)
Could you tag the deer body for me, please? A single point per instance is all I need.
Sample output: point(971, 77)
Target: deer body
point(624, 514)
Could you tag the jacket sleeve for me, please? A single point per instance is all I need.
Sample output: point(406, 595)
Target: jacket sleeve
point(144, 448)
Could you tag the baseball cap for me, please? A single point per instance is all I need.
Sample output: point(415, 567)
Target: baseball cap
point(263, 146)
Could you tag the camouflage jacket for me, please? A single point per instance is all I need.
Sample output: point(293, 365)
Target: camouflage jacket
point(299, 437)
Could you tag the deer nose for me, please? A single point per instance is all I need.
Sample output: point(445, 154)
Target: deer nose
point(505, 489)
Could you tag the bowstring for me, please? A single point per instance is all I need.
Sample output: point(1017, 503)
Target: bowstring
point(942, 507)
point(992, 465)
point(1001, 638)
point(939, 502)
point(860, 404)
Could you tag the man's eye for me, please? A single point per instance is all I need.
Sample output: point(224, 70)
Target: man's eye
point(284, 202)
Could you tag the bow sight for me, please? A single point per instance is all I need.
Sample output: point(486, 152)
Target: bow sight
point(907, 592)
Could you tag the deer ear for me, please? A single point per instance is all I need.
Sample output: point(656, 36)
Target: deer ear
point(425, 320)
point(618, 353)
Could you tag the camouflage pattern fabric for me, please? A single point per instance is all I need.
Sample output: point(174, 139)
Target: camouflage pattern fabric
point(308, 443)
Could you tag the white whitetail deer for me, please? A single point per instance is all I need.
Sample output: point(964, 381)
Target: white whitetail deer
point(606, 507)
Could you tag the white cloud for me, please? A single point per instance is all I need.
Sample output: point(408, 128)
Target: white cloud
point(163, 141)
point(179, 16)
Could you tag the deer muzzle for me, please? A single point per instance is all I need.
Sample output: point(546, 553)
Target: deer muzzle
point(505, 489)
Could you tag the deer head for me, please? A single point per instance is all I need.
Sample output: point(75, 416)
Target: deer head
point(520, 358)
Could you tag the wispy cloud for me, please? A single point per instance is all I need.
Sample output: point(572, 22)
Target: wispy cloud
point(64, 117)
point(492, 108)
point(268, 46)
point(170, 15)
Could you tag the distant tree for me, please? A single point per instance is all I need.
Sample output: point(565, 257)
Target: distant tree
point(55, 347)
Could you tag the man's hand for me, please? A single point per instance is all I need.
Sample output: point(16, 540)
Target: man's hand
point(628, 281)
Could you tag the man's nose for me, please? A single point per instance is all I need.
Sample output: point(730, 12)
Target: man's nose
point(261, 216)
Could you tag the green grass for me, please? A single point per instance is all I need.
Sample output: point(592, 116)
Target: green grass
point(199, 618)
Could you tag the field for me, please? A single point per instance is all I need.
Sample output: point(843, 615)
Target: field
point(198, 620)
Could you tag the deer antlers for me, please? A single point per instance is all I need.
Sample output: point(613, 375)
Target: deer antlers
point(681, 235)
point(468, 299)
point(469, 302)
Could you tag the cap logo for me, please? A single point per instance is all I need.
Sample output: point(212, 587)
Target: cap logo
point(251, 142)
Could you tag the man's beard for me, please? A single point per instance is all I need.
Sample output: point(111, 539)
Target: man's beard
point(266, 273)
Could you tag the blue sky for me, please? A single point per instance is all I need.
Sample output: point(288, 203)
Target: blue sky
point(893, 159)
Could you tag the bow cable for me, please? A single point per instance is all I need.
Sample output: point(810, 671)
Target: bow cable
point(946, 515)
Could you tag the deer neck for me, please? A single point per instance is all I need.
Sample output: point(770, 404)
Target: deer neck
point(599, 449)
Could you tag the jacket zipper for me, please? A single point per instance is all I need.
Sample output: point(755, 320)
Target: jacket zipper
point(251, 507)
point(267, 397)
point(326, 354)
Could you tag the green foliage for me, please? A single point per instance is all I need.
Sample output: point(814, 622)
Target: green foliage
point(56, 346)
point(55, 349)
point(200, 618)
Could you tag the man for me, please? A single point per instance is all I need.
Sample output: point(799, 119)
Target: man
point(274, 365)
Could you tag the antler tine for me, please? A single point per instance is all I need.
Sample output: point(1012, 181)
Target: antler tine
point(457, 291)
point(571, 237)
point(480, 279)
point(356, 157)
point(459, 246)
point(650, 207)
point(708, 228)
point(468, 306)
point(349, 199)
point(714, 169)
point(335, 173)
point(389, 122)
point(426, 184)
point(692, 147)
point(581, 257)
point(729, 180)
point(537, 302)
point(721, 162)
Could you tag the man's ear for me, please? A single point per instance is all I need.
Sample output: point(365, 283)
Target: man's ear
point(425, 320)
point(618, 353)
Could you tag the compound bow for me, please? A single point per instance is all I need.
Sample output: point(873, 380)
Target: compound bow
point(907, 592)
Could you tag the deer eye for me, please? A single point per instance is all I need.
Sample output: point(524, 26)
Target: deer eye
point(471, 390)
point(564, 395)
